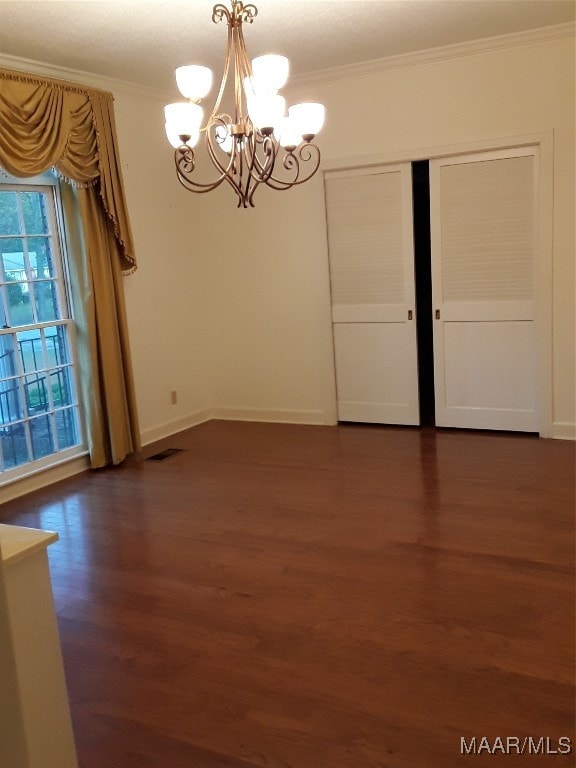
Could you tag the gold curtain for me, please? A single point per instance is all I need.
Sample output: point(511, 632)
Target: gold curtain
point(51, 123)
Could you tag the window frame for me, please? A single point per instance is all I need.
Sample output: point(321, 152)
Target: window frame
point(47, 183)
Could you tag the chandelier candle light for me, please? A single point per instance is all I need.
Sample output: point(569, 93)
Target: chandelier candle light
point(256, 144)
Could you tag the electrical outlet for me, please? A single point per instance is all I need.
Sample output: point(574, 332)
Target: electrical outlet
point(173, 397)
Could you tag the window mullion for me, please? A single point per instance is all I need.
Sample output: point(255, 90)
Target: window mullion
point(56, 241)
point(3, 306)
point(26, 254)
point(24, 419)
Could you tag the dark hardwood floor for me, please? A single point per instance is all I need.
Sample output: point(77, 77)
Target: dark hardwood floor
point(285, 596)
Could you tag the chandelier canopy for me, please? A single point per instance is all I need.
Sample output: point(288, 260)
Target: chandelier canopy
point(256, 143)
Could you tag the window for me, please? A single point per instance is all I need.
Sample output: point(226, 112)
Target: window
point(40, 415)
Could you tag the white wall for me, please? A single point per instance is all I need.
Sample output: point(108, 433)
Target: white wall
point(230, 307)
point(266, 274)
point(166, 296)
point(268, 271)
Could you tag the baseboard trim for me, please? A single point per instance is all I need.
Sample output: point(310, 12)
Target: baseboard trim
point(38, 480)
point(169, 428)
point(564, 430)
point(277, 416)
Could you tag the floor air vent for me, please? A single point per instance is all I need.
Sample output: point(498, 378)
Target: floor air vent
point(163, 455)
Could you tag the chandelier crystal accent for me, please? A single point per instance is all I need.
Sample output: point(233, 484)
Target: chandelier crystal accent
point(256, 143)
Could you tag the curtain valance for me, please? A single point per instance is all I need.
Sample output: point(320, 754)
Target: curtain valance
point(48, 123)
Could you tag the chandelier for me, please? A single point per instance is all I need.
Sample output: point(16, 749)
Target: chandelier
point(256, 143)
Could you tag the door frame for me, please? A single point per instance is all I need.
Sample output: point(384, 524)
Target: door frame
point(543, 144)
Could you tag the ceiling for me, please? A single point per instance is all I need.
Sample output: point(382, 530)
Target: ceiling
point(142, 41)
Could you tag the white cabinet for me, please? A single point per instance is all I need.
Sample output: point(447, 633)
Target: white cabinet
point(35, 725)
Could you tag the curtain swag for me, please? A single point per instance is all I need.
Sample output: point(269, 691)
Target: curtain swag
point(54, 124)
point(48, 123)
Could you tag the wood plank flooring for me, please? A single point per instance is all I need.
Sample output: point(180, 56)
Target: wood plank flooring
point(280, 596)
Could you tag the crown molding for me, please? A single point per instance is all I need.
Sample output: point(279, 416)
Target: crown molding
point(82, 78)
point(444, 53)
point(429, 56)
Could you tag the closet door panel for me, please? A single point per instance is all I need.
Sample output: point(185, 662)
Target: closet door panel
point(369, 218)
point(482, 226)
point(371, 364)
point(488, 368)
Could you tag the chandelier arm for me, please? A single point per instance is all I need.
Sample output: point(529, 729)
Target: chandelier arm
point(218, 120)
point(225, 73)
point(236, 187)
point(248, 152)
point(254, 186)
point(194, 186)
point(237, 75)
point(243, 67)
point(304, 154)
point(259, 168)
point(230, 174)
point(220, 12)
point(252, 178)
point(290, 164)
point(185, 165)
point(254, 183)
point(187, 183)
point(241, 163)
point(244, 54)
point(270, 149)
point(229, 171)
point(247, 12)
point(265, 169)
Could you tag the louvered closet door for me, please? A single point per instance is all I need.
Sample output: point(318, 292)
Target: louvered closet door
point(370, 241)
point(483, 239)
